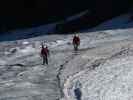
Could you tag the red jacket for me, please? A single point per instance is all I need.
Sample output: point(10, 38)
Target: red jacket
point(76, 40)
point(44, 51)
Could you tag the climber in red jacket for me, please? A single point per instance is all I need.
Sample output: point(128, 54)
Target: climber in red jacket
point(76, 42)
point(45, 54)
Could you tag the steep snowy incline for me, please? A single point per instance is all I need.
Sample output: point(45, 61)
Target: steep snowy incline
point(23, 77)
point(109, 74)
point(103, 66)
point(104, 72)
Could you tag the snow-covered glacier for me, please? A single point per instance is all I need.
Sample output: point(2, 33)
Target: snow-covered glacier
point(102, 66)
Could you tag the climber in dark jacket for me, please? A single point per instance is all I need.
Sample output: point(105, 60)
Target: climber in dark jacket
point(77, 93)
point(77, 90)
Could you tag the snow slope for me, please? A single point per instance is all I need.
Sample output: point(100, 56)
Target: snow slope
point(107, 75)
point(103, 66)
